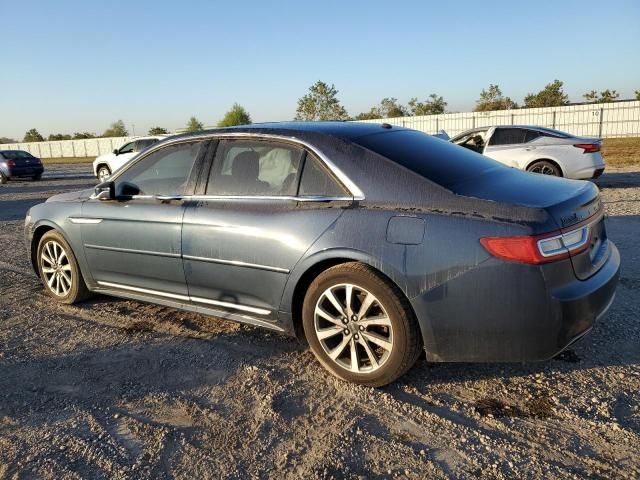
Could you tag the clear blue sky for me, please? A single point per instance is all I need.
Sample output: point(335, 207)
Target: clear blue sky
point(79, 65)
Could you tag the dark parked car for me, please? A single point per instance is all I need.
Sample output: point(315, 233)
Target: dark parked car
point(18, 163)
point(372, 242)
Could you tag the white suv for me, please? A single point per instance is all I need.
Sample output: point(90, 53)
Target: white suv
point(106, 164)
point(537, 149)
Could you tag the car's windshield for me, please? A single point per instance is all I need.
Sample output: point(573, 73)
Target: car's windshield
point(15, 154)
point(441, 162)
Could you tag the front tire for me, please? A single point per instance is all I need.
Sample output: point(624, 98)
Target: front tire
point(59, 269)
point(103, 173)
point(545, 167)
point(360, 326)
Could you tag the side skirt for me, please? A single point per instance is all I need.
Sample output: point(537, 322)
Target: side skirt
point(191, 307)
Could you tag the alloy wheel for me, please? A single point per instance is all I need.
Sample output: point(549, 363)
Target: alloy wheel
point(543, 168)
point(56, 268)
point(103, 174)
point(353, 328)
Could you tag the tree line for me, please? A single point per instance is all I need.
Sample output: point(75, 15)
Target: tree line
point(322, 103)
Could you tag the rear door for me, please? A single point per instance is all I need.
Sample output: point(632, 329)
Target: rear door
point(264, 204)
point(135, 243)
point(507, 145)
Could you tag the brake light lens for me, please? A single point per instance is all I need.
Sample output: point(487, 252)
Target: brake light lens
point(588, 147)
point(11, 163)
point(538, 249)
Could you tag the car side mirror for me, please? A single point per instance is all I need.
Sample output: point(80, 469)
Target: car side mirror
point(115, 151)
point(105, 191)
point(127, 190)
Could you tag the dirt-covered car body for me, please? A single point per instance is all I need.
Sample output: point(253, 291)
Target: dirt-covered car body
point(422, 212)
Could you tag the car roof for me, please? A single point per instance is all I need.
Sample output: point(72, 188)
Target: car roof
point(343, 130)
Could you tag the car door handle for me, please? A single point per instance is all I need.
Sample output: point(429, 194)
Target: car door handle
point(168, 198)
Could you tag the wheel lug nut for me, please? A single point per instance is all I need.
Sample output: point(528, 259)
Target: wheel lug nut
point(361, 328)
point(346, 331)
point(356, 336)
point(345, 320)
point(354, 318)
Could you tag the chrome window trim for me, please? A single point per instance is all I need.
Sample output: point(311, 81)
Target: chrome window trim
point(237, 263)
point(181, 198)
point(131, 250)
point(186, 298)
point(353, 189)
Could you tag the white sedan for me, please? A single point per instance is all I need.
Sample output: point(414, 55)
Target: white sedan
point(537, 149)
point(106, 164)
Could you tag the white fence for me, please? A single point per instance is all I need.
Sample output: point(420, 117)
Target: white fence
point(90, 147)
point(603, 120)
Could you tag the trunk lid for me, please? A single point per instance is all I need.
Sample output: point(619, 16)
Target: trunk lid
point(571, 203)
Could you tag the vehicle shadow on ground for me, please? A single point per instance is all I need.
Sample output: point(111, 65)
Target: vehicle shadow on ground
point(619, 180)
point(17, 209)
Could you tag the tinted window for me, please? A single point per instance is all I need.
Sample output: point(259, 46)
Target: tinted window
point(15, 154)
point(251, 167)
point(127, 148)
point(531, 135)
point(441, 162)
point(164, 172)
point(142, 144)
point(316, 180)
point(507, 136)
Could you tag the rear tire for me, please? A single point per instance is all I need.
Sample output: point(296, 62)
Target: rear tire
point(371, 336)
point(59, 269)
point(545, 167)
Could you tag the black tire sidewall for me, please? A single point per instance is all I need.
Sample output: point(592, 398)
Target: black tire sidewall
point(401, 321)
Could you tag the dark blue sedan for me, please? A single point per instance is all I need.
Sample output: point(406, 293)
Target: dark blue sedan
point(18, 163)
point(371, 242)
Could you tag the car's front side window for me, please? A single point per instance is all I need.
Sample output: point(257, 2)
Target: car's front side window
point(127, 148)
point(163, 172)
point(254, 168)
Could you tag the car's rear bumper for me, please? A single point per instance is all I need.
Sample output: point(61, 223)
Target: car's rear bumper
point(509, 312)
point(27, 171)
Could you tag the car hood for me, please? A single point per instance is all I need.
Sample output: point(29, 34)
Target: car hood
point(71, 196)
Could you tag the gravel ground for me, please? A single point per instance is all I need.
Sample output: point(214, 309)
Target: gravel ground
point(121, 389)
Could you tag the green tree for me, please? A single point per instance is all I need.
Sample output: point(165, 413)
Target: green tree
point(321, 103)
point(59, 136)
point(236, 116)
point(194, 125)
point(7, 140)
point(372, 114)
point(33, 136)
point(158, 131)
point(433, 105)
point(83, 135)
point(605, 96)
point(637, 92)
point(492, 99)
point(552, 95)
point(117, 129)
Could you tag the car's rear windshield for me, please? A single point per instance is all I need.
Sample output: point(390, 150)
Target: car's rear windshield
point(15, 154)
point(437, 160)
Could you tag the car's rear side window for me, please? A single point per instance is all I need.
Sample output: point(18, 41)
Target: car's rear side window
point(437, 160)
point(507, 136)
point(317, 181)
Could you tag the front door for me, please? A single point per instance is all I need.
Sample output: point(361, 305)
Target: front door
point(135, 243)
point(241, 239)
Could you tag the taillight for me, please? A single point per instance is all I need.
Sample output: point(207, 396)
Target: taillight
point(11, 163)
point(588, 147)
point(538, 249)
